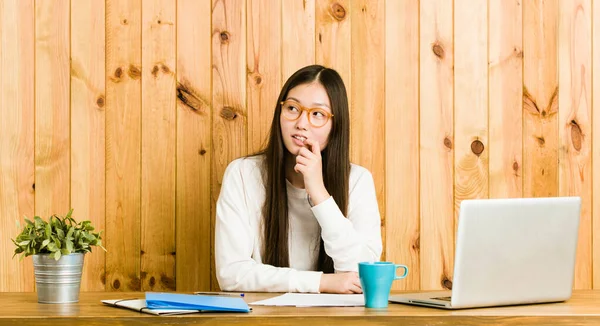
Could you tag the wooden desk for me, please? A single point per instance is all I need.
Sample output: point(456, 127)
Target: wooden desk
point(22, 309)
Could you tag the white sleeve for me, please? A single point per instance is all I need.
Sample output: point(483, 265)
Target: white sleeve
point(357, 238)
point(234, 242)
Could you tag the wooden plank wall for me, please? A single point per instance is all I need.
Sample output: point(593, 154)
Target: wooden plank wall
point(129, 111)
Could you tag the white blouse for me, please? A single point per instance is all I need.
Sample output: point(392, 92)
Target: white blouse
point(238, 232)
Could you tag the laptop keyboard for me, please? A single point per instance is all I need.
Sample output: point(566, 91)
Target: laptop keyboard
point(443, 298)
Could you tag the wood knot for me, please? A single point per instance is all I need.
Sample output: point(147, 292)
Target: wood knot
point(142, 252)
point(224, 36)
point(165, 69)
point(152, 282)
point(448, 143)
point(202, 152)
point(438, 50)
point(518, 52)
point(33, 186)
point(515, 166)
point(417, 244)
point(103, 278)
point(135, 284)
point(228, 113)
point(116, 284)
point(100, 101)
point(124, 22)
point(446, 283)
point(119, 73)
point(188, 97)
point(541, 141)
point(159, 22)
point(167, 282)
point(257, 78)
point(155, 70)
point(543, 113)
point(576, 135)
point(477, 147)
point(134, 72)
point(338, 12)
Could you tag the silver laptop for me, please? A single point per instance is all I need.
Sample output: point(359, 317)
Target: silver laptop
point(508, 252)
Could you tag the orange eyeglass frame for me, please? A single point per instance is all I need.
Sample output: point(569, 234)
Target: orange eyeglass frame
point(302, 108)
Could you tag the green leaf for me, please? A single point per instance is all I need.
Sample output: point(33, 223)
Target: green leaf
point(69, 245)
point(52, 247)
point(60, 233)
point(56, 255)
point(38, 222)
point(45, 243)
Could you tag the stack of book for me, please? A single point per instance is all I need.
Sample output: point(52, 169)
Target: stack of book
point(176, 304)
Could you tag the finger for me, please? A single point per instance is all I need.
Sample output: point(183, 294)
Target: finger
point(305, 152)
point(299, 168)
point(314, 146)
point(302, 160)
point(356, 289)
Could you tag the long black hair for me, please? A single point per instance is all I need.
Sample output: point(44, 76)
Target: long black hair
point(335, 159)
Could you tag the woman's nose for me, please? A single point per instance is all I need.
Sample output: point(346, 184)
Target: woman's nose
point(302, 121)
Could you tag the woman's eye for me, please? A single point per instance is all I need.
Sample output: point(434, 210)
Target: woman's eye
point(318, 114)
point(292, 108)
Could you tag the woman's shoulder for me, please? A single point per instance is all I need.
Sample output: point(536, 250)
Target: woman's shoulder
point(360, 180)
point(358, 171)
point(246, 165)
point(359, 174)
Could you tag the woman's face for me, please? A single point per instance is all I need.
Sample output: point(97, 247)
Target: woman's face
point(294, 132)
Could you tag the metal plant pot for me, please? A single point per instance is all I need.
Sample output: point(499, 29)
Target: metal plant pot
point(58, 281)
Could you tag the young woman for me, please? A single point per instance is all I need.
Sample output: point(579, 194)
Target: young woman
point(299, 217)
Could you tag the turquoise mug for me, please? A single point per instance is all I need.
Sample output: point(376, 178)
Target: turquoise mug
point(376, 280)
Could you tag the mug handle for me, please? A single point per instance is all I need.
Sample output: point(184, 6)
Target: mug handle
point(396, 277)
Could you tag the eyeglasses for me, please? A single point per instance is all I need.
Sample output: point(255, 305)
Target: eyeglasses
point(292, 110)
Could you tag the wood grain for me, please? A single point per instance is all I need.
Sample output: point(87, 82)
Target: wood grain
point(88, 124)
point(52, 114)
point(402, 139)
point(471, 156)
point(540, 98)
point(505, 99)
point(298, 25)
point(229, 133)
point(575, 124)
point(158, 145)
point(367, 118)
point(74, 132)
point(263, 68)
point(123, 143)
point(436, 132)
point(334, 37)
point(596, 152)
point(194, 152)
point(17, 35)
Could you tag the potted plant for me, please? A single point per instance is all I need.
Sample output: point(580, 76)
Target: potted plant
point(58, 247)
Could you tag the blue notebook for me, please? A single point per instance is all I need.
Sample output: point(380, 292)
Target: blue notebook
point(155, 300)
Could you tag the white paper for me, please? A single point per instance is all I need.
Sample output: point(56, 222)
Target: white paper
point(314, 300)
point(140, 306)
